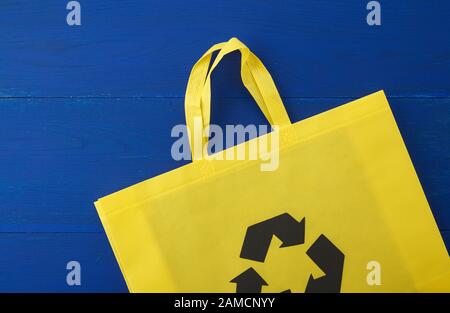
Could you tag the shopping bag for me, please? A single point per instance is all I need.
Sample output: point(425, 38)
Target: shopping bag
point(343, 211)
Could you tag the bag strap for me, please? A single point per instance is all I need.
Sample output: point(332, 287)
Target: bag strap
point(256, 79)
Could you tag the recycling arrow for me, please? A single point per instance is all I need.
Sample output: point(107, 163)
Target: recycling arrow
point(291, 232)
point(331, 261)
point(249, 282)
point(258, 236)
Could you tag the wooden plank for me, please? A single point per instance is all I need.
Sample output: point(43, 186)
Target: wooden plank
point(59, 155)
point(147, 47)
point(37, 262)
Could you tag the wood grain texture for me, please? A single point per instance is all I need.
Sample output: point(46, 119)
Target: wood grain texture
point(147, 47)
point(85, 111)
point(60, 155)
point(36, 262)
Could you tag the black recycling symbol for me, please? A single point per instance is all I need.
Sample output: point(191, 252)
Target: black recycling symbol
point(291, 232)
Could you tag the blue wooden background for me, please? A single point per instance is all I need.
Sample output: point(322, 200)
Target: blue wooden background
point(87, 110)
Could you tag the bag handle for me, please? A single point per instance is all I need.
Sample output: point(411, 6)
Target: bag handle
point(256, 79)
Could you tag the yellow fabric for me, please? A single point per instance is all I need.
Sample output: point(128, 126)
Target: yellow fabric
point(346, 171)
point(255, 77)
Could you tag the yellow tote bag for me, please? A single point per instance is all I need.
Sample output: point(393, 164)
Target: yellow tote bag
point(342, 212)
